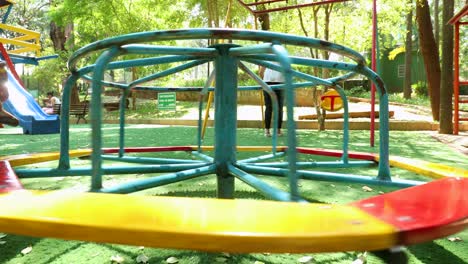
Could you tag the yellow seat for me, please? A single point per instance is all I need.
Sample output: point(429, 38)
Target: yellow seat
point(219, 225)
point(331, 101)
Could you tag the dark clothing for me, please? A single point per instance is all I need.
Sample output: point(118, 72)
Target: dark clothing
point(269, 106)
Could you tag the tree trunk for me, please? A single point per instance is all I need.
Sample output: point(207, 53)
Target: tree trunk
point(436, 23)
point(408, 53)
point(213, 15)
point(59, 36)
point(316, 94)
point(430, 55)
point(446, 89)
point(325, 72)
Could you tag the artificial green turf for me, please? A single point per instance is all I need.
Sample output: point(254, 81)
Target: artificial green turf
point(408, 144)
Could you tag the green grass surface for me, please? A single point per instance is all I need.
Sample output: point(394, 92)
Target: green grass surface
point(44, 250)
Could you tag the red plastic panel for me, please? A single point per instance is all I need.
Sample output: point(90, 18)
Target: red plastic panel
point(8, 179)
point(336, 153)
point(424, 212)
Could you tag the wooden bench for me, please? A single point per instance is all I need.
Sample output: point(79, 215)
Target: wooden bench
point(114, 106)
point(78, 110)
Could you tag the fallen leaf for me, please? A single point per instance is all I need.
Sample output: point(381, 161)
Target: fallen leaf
point(361, 259)
point(172, 260)
point(367, 188)
point(26, 250)
point(220, 259)
point(117, 259)
point(227, 255)
point(141, 248)
point(142, 259)
point(454, 239)
point(305, 259)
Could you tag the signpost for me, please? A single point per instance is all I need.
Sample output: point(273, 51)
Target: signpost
point(167, 101)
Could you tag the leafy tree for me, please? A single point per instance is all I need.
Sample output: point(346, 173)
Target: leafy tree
point(29, 14)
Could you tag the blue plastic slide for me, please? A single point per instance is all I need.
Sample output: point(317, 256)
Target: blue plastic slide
point(22, 105)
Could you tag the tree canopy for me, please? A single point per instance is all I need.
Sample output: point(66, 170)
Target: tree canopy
point(82, 22)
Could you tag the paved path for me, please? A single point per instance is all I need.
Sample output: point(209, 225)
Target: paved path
point(253, 112)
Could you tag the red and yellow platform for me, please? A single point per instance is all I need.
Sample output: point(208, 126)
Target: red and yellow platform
point(407, 216)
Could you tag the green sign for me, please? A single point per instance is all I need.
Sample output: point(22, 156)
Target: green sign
point(167, 101)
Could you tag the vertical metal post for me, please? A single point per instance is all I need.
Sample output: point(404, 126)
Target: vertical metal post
point(225, 124)
point(456, 79)
point(374, 67)
point(64, 160)
point(96, 117)
point(123, 108)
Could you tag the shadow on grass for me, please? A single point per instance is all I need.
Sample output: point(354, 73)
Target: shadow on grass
point(13, 246)
point(432, 253)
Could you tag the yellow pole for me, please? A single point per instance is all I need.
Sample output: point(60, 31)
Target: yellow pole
point(207, 113)
point(210, 94)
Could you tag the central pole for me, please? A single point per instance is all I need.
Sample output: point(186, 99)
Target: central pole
point(225, 122)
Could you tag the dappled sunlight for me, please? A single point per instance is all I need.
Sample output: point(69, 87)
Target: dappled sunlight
point(5, 147)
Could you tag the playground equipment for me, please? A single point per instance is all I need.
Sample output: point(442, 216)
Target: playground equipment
point(331, 101)
point(380, 223)
point(457, 21)
point(21, 103)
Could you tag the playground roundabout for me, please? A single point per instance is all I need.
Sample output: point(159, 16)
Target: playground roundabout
point(421, 211)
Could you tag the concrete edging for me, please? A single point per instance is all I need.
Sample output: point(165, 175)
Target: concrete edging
point(301, 124)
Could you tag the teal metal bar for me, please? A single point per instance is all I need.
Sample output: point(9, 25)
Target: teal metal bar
point(314, 79)
point(203, 156)
point(122, 109)
point(261, 186)
point(7, 13)
point(226, 58)
point(201, 99)
point(96, 116)
point(345, 147)
point(384, 127)
point(274, 102)
point(160, 180)
point(148, 160)
point(208, 33)
point(47, 172)
point(332, 177)
point(141, 62)
point(248, 50)
point(285, 62)
point(151, 49)
point(225, 119)
point(168, 72)
point(263, 157)
point(317, 164)
point(64, 160)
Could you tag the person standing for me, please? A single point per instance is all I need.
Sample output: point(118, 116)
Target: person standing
point(5, 117)
point(272, 77)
